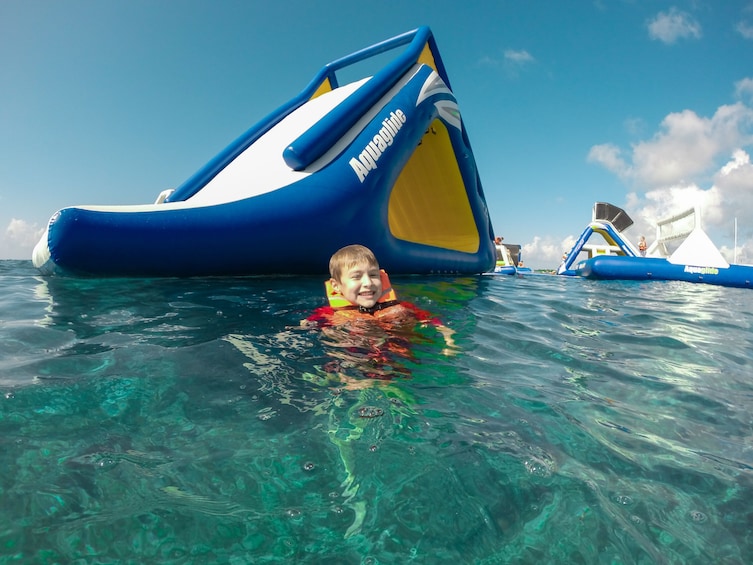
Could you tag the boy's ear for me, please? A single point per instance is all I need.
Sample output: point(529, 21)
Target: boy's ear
point(335, 285)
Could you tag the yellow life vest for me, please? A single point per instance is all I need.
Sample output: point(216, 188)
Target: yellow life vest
point(339, 302)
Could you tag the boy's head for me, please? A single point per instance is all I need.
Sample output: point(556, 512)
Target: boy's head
point(348, 257)
point(354, 272)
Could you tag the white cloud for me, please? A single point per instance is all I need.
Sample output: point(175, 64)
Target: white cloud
point(690, 145)
point(673, 25)
point(21, 231)
point(610, 157)
point(740, 159)
point(518, 57)
point(686, 147)
point(487, 61)
point(744, 89)
point(745, 29)
point(512, 60)
point(546, 252)
point(683, 148)
point(635, 126)
point(734, 182)
point(19, 239)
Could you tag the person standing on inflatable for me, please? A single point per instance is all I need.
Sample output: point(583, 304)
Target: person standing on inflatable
point(642, 246)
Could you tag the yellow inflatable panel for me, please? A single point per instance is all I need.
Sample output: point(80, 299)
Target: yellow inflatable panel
point(427, 57)
point(432, 181)
point(326, 86)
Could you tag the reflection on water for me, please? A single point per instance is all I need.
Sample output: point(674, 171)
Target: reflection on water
point(194, 421)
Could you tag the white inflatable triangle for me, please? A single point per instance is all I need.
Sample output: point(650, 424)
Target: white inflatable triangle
point(698, 250)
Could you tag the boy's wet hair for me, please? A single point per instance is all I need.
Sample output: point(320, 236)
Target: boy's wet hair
point(348, 257)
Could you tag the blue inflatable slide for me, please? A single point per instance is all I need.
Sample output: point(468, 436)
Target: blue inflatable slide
point(384, 161)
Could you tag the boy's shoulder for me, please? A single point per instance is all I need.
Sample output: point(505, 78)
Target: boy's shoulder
point(407, 310)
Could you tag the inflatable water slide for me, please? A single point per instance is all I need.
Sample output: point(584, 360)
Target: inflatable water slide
point(694, 259)
point(607, 221)
point(383, 161)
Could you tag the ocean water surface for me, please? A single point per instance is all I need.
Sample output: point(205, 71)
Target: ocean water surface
point(195, 421)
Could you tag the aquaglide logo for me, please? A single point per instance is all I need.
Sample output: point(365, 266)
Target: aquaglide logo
point(701, 270)
point(367, 160)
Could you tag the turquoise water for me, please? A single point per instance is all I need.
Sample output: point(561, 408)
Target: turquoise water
point(190, 421)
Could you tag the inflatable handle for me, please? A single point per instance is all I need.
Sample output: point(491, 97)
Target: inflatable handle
point(318, 139)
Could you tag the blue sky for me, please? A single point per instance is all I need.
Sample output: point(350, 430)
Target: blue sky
point(647, 104)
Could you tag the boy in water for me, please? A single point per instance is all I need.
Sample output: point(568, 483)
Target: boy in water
point(359, 291)
point(368, 332)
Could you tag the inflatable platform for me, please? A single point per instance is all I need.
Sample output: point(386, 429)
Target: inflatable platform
point(384, 161)
point(696, 259)
point(509, 260)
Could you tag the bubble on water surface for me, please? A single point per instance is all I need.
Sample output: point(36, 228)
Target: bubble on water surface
point(370, 412)
point(106, 462)
point(698, 516)
point(538, 467)
point(541, 464)
point(293, 513)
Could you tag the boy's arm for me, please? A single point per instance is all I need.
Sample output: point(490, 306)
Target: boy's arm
point(322, 316)
point(447, 334)
point(425, 318)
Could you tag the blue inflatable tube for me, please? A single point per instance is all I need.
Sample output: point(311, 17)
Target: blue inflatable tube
point(384, 161)
point(651, 268)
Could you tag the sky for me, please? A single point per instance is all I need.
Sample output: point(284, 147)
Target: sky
point(646, 104)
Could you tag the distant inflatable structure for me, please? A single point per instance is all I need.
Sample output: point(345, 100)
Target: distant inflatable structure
point(384, 161)
point(695, 260)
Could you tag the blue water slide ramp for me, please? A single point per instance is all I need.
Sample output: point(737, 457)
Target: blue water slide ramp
point(607, 231)
point(384, 161)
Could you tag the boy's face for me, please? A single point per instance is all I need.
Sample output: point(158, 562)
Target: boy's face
point(360, 284)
